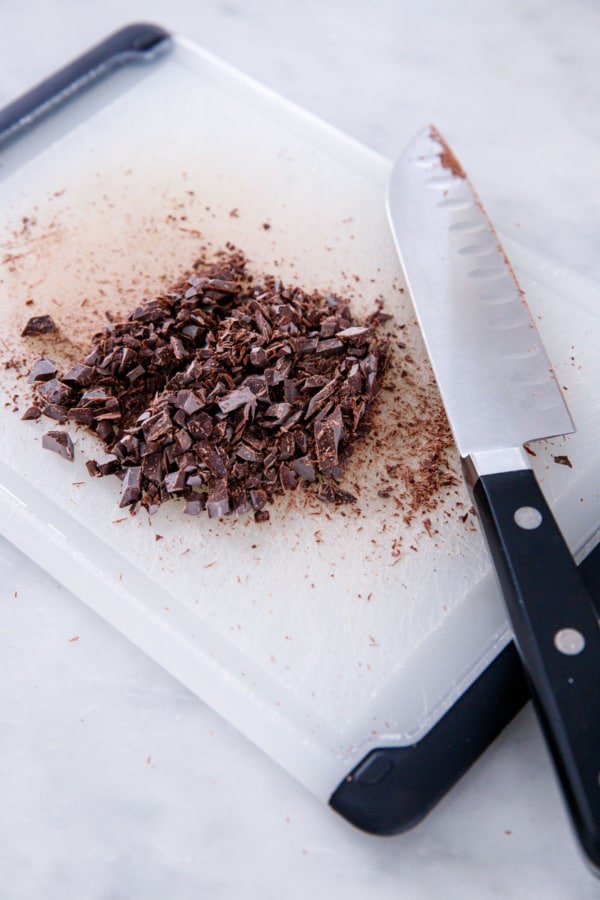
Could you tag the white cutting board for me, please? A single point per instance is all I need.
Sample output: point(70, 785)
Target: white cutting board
point(324, 633)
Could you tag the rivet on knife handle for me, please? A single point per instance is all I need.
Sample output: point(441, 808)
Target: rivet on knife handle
point(500, 392)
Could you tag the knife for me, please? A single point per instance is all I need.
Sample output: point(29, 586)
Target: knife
point(500, 392)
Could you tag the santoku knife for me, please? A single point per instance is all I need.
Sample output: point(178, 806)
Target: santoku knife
point(500, 392)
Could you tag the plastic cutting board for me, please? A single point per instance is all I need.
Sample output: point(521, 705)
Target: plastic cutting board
point(325, 633)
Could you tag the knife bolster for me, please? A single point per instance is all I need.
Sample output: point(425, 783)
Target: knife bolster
point(491, 462)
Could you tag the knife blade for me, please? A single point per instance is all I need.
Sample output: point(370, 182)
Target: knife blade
point(500, 392)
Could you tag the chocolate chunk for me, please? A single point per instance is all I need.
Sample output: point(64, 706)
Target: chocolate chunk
point(239, 499)
point(157, 426)
point(241, 396)
point(175, 482)
point(278, 412)
point(304, 468)
point(287, 446)
point(131, 486)
point(188, 402)
point(247, 453)
point(105, 432)
point(290, 390)
point(42, 370)
point(195, 506)
point(135, 373)
point(329, 347)
point(152, 468)
point(328, 434)
point(59, 442)
point(32, 412)
point(83, 415)
point(355, 333)
point(318, 399)
point(55, 411)
point(217, 501)
point(287, 477)
point(304, 346)
point(103, 464)
point(53, 391)
point(258, 357)
point(78, 376)
point(39, 325)
point(258, 498)
point(342, 496)
point(107, 463)
point(183, 439)
point(93, 397)
point(326, 493)
point(201, 426)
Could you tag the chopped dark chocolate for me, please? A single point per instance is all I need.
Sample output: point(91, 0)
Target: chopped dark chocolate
point(106, 463)
point(227, 391)
point(39, 325)
point(78, 376)
point(328, 434)
point(53, 391)
point(186, 401)
point(217, 501)
point(55, 411)
point(42, 370)
point(241, 396)
point(195, 506)
point(175, 482)
point(32, 412)
point(59, 442)
point(354, 333)
point(131, 486)
point(83, 415)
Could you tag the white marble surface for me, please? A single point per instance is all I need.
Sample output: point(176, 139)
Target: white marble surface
point(115, 781)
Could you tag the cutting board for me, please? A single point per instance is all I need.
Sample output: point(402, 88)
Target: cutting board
point(326, 632)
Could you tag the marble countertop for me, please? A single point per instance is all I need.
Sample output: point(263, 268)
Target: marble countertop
point(116, 781)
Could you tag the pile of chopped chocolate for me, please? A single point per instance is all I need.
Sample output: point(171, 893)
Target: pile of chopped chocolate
point(223, 392)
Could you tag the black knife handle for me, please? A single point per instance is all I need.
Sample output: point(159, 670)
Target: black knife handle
point(133, 43)
point(556, 632)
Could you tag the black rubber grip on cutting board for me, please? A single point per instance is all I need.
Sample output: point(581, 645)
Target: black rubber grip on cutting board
point(132, 44)
point(393, 788)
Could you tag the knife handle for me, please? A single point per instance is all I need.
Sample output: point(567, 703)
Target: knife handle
point(556, 632)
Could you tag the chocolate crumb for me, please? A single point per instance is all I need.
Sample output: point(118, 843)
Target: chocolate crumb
point(563, 460)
